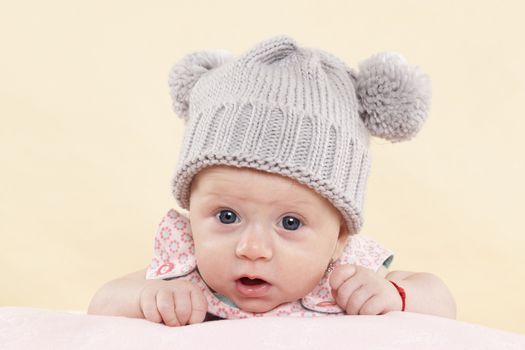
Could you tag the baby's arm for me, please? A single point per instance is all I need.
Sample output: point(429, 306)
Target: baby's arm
point(426, 293)
point(361, 291)
point(176, 302)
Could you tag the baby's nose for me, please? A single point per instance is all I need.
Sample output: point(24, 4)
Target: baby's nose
point(254, 245)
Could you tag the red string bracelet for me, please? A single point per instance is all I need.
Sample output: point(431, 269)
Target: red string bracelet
point(402, 293)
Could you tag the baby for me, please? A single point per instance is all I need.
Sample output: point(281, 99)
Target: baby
point(273, 173)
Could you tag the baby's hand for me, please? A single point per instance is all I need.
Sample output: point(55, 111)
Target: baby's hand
point(176, 302)
point(361, 291)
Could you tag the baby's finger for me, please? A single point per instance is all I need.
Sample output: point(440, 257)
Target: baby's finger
point(357, 300)
point(340, 274)
point(373, 306)
point(345, 291)
point(148, 305)
point(199, 306)
point(182, 301)
point(166, 307)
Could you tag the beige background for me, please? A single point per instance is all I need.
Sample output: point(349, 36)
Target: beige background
point(89, 141)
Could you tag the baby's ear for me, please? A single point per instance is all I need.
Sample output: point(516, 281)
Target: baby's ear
point(187, 71)
point(342, 240)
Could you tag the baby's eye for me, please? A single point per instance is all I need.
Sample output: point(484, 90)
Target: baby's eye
point(291, 223)
point(227, 216)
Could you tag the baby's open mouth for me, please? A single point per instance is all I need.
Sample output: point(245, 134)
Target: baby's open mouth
point(252, 287)
point(251, 282)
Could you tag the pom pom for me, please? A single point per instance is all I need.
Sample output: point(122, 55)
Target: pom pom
point(394, 97)
point(186, 72)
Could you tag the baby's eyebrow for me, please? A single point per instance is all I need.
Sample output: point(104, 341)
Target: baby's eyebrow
point(288, 201)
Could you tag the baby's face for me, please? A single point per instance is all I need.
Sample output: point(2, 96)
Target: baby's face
point(261, 239)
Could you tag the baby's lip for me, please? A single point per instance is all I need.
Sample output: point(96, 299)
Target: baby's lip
point(252, 286)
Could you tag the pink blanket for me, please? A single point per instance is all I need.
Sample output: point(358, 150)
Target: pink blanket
point(29, 328)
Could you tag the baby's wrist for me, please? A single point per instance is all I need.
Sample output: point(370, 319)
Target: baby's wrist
point(400, 296)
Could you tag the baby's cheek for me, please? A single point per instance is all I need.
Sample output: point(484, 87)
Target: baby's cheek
point(211, 274)
point(299, 280)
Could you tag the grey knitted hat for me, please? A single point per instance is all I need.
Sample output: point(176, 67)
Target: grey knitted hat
point(295, 111)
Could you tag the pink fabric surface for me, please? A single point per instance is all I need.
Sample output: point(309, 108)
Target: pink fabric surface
point(30, 328)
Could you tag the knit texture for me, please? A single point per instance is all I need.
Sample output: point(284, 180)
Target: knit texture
point(295, 111)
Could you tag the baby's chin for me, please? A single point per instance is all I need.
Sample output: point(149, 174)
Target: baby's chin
point(257, 305)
